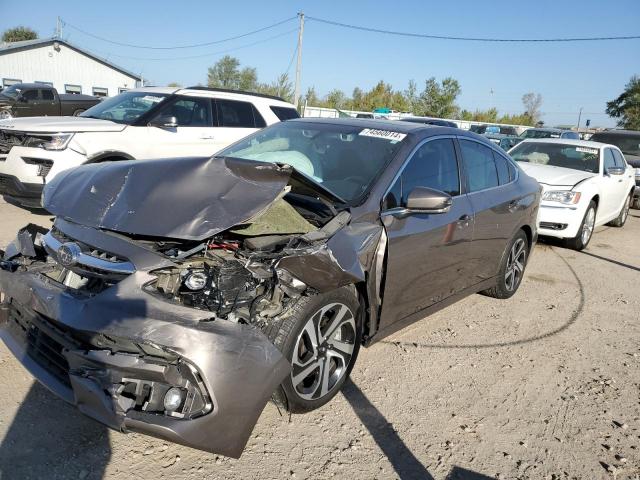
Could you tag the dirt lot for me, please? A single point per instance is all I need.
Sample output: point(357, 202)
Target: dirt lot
point(546, 385)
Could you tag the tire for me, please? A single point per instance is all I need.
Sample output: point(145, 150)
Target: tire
point(635, 204)
point(294, 335)
point(621, 219)
point(512, 269)
point(78, 112)
point(585, 232)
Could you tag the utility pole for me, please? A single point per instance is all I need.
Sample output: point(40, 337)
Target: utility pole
point(59, 28)
point(299, 62)
point(579, 117)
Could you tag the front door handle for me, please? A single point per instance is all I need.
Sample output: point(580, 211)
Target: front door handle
point(206, 137)
point(464, 221)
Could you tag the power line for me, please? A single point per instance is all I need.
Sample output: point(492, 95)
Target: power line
point(470, 39)
point(214, 42)
point(204, 54)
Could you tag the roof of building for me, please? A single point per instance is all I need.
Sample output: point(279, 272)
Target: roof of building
point(12, 47)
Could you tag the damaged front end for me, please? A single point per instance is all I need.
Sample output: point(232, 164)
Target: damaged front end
point(165, 334)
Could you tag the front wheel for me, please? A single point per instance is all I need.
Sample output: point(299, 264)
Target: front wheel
point(512, 268)
point(78, 112)
point(585, 232)
point(321, 338)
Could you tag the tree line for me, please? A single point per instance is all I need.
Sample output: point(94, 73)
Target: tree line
point(435, 99)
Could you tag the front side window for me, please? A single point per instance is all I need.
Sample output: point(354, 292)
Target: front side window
point(125, 108)
point(189, 112)
point(620, 161)
point(479, 164)
point(586, 159)
point(433, 165)
point(609, 159)
point(238, 115)
point(345, 159)
point(30, 95)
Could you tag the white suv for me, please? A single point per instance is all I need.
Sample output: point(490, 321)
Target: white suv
point(152, 122)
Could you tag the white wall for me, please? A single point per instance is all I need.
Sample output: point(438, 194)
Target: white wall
point(62, 66)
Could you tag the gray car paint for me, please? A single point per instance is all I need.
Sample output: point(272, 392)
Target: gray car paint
point(239, 365)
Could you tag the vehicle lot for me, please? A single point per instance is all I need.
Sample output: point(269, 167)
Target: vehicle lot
point(545, 385)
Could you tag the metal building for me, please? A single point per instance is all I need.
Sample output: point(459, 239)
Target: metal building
point(65, 66)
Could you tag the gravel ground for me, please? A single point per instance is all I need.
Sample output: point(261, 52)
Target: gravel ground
point(545, 385)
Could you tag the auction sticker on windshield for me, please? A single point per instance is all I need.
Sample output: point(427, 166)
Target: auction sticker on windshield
point(386, 134)
point(587, 150)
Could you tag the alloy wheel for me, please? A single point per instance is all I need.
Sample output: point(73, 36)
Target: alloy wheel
point(587, 227)
point(515, 265)
point(323, 351)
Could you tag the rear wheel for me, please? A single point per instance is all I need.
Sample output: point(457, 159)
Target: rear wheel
point(621, 219)
point(321, 338)
point(636, 203)
point(585, 232)
point(512, 268)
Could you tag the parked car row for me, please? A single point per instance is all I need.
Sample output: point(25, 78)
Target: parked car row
point(145, 123)
point(216, 281)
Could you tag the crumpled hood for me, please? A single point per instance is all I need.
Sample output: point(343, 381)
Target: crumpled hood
point(182, 198)
point(551, 175)
point(60, 125)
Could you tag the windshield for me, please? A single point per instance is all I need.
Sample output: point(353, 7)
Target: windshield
point(585, 159)
point(629, 144)
point(344, 159)
point(125, 108)
point(12, 92)
point(532, 133)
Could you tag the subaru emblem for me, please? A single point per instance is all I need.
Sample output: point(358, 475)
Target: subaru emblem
point(68, 254)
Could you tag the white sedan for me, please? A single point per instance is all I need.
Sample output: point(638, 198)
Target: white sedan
point(585, 184)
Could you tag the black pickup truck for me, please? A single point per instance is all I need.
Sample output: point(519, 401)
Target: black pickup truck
point(39, 100)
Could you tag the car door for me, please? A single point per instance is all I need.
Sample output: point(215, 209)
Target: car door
point(236, 120)
point(427, 254)
point(192, 134)
point(49, 105)
point(495, 201)
point(613, 188)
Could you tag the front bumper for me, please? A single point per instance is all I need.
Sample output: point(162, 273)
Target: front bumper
point(555, 220)
point(40, 322)
point(27, 194)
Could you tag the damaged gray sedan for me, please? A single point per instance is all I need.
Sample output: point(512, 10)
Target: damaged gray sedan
point(175, 297)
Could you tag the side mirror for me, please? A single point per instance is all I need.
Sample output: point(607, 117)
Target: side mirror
point(164, 122)
point(428, 200)
point(614, 171)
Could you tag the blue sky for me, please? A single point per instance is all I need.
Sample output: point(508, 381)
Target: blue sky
point(568, 76)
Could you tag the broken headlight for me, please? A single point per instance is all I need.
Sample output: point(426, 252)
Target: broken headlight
point(49, 142)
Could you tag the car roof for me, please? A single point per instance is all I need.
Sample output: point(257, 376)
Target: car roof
point(420, 129)
point(568, 141)
point(168, 90)
point(30, 85)
point(618, 132)
point(548, 129)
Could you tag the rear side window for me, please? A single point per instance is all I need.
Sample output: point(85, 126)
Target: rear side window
point(479, 165)
point(502, 167)
point(238, 115)
point(284, 113)
point(47, 94)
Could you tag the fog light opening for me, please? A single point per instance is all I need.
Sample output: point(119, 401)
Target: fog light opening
point(173, 399)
